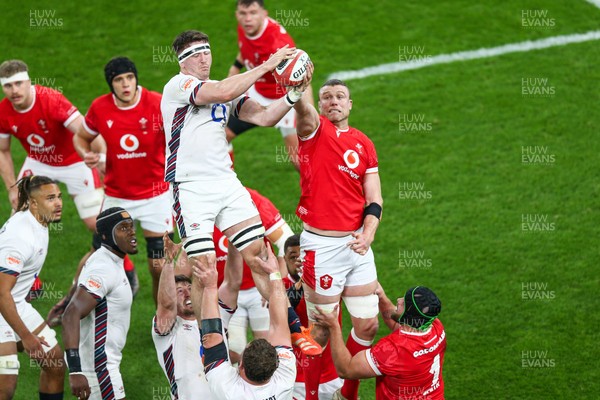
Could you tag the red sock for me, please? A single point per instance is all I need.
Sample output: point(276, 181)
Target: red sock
point(312, 376)
point(350, 388)
point(128, 264)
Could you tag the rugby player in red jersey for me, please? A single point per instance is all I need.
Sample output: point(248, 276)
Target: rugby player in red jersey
point(340, 206)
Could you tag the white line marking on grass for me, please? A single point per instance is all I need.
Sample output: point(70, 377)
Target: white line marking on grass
point(594, 2)
point(528, 45)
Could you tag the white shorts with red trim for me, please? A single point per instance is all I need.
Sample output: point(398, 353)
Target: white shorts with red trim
point(154, 213)
point(80, 180)
point(287, 124)
point(330, 265)
point(77, 177)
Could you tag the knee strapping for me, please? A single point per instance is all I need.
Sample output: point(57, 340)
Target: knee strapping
point(199, 244)
point(362, 306)
point(246, 236)
point(9, 365)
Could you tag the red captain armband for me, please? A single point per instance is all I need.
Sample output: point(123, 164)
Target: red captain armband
point(373, 209)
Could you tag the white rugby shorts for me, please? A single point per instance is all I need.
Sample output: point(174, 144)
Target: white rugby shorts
point(330, 265)
point(250, 308)
point(79, 179)
point(200, 205)
point(154, 213)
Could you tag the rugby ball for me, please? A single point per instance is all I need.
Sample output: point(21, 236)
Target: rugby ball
point(292, 71)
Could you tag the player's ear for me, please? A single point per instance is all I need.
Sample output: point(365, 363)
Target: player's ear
point(350, 104)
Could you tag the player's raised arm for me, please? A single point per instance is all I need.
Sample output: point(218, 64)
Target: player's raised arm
point(279, 329)
point(234, 86)
point(166, 308)
point(307, 116)
point(257, 114)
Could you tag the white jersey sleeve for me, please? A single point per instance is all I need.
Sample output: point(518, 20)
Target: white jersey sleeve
point(197, 148)
point(23, 249)
point(96, 281)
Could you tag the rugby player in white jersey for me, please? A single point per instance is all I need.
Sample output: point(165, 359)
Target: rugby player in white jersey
point(96, 320)
point(268, 366)
point(206, 191)
point(175, 328)
point(23, 249)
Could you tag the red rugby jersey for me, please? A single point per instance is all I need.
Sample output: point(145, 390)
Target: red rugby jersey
point(135, 140)
point(257, 49)
point(332, 171)
point(41, 128)
point(410, 363)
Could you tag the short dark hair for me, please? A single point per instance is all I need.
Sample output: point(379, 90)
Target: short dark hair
point(185, 38)
point(27, 186)
point(260, 361)
point(248, 3)
point(182, 278)
point(335, 82)
point(292, 241)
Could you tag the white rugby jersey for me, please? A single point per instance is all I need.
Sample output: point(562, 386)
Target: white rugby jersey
point(23, 249)
point(179, 355)
point(104, 331)
point(195, 135)
point(226, 383)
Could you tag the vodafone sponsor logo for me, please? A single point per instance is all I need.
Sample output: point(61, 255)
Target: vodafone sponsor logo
point(130, 144)
point(223, 243)
point(35, 140)
point(348, 171)
point(351, 159)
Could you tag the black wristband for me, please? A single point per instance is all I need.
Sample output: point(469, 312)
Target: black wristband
point(238, 64)
point(212, 325)
point(373, 209)
point(73, 360)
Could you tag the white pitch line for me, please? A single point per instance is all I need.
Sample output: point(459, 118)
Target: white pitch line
point(594, 2)
point(391, 68)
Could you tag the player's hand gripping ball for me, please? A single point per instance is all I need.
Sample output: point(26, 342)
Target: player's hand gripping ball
point(292, 71)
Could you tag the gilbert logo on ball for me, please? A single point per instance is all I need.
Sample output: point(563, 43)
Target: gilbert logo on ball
point(292, 71)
